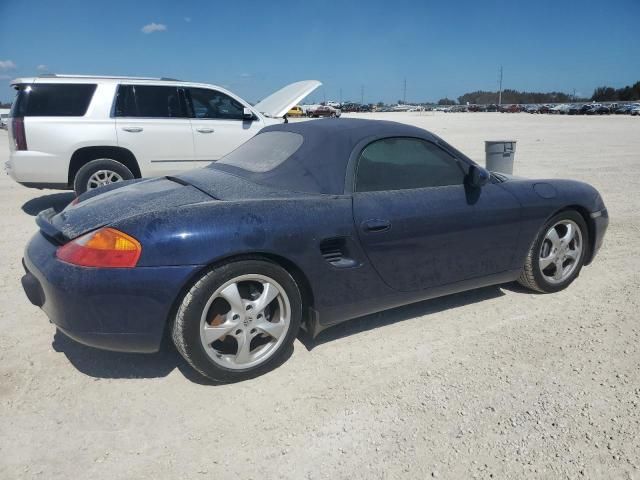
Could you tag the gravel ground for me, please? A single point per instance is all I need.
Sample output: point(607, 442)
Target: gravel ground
point(493, 383)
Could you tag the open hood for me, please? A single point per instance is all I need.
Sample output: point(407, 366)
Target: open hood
point(279, 103)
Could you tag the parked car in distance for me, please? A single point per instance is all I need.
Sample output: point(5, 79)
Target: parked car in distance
point(378, 215)
point(532, 109)
point(511, 109)
point(561, 109)
point(296, 111)
point(575, 109)
point(588, 109)
point(323, 111)
point(635, 110)
point(4, 119)
point(80, 132)
point(601, 110)
point(623, 109)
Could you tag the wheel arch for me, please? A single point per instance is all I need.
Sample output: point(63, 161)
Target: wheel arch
point(288, 265)
point(591, 227)
point(85, 154)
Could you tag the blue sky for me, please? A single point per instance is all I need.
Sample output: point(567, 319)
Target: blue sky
point(443, 48)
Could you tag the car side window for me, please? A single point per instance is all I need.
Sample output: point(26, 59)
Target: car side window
point(210, 104)
point(149, 101)
point(405, 163)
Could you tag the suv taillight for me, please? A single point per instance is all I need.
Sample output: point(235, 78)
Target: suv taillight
point(19, 136)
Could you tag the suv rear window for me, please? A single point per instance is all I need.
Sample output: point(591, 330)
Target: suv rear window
point(53, 100)
point(150, 101)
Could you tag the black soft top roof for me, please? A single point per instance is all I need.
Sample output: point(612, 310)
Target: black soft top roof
point(319, 165)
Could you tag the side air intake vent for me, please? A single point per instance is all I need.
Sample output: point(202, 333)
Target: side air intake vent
point(334, 251)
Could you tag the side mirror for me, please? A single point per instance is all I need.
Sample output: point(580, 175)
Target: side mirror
point(478, 176)
point(247, 114)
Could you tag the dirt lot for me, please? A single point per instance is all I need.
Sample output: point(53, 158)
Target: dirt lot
point(496, 382)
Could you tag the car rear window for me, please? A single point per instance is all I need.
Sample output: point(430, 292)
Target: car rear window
point(264, 152)
point(53, 100)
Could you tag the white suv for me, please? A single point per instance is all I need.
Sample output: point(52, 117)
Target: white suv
point(80, 132)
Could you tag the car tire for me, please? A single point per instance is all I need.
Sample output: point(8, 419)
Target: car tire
point(100, 172)
point(564, 252)
point(212, 323)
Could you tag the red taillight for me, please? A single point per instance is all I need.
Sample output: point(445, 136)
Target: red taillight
point(106, 248)
point(19, 135)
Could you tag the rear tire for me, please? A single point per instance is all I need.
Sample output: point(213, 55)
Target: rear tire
point(557, 254)
point(100, 172)
point(253, 304)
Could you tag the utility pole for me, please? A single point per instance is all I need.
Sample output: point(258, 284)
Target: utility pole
point(341, 96)
point(500, 87)
point(362, 95)
point(404, 94)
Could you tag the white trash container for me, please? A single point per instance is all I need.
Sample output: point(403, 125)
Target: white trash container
point(500, 155)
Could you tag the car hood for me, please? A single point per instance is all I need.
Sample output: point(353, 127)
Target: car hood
point(118, 203)
point(280, 102)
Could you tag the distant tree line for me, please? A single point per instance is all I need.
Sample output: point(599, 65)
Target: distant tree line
point(5, 105)
point(624, 94)
point(514, 96)
point(600, 94)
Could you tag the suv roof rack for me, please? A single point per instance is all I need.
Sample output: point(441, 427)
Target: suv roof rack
point(64, 75)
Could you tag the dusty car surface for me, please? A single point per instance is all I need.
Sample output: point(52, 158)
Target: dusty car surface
point(306, 225)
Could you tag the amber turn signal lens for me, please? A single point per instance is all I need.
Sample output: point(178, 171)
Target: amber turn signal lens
point(106, 248)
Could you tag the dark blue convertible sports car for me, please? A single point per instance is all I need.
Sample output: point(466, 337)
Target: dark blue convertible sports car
point(307, 224)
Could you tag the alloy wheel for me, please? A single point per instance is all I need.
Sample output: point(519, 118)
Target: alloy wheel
point(560, 251)
point(245, 321)
point(103, 177)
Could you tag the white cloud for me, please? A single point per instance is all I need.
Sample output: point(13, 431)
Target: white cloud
point(7, 65)
point(154, 27)
point(42, 68)
point(187, 19)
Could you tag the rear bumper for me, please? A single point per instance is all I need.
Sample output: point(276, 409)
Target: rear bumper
point(112, 309)
point(29, 168)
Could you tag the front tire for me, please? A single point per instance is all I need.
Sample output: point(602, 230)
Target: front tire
point(98, 173)
point(557, 254)
point(238, 321)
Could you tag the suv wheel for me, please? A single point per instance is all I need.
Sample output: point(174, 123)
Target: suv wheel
point(98, 173)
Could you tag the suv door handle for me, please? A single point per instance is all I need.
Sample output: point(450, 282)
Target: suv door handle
point(376, 225)
point(205, 130)
point(133, 129)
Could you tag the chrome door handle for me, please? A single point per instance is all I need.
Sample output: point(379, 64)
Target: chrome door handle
point(205, 130)
point(132, 129)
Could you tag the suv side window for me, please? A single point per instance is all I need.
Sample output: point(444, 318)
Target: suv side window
point(150, 101)
point(405, 163)
point(210, 104)
point(53, 100)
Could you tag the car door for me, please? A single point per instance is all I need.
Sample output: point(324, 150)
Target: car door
point(218, 123)
point(420, 225)
point(153, 123)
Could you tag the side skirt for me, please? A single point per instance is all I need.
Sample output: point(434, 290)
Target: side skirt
point(319, 321)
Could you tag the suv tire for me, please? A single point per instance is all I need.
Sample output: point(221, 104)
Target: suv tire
point(100, 172)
